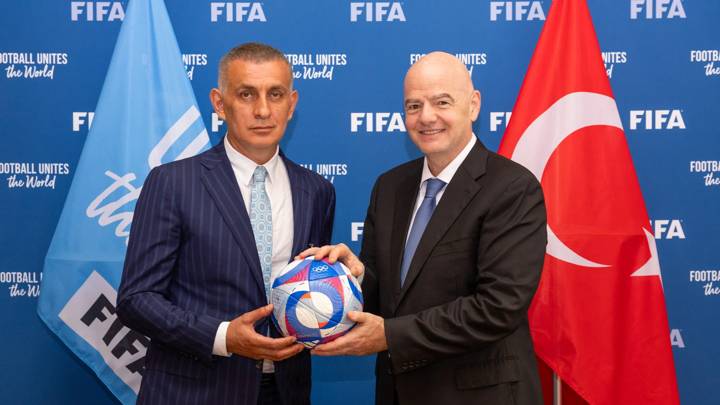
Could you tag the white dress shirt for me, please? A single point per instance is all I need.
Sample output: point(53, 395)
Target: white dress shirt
point(277, 186)
point(445, 175)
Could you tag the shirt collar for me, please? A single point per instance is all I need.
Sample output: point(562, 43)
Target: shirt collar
point(449, 171)
point(244, 166)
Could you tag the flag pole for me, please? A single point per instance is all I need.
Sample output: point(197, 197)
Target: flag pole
point(557, 390)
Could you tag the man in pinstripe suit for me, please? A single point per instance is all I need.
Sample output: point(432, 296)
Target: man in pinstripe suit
point(207, 233)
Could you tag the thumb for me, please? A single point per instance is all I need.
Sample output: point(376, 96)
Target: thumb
point(357, 269)
point(357, 316)
point(258, 314)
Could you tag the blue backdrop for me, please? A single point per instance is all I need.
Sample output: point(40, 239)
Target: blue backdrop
point(662, 56)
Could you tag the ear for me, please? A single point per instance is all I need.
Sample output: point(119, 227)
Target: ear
point(293, 103)
point(475, 102)
point(217, 103)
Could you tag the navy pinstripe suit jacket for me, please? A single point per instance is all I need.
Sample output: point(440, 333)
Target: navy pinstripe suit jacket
point(191, 263)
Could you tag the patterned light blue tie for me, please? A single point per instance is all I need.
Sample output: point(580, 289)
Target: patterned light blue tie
point(261, 221)
point(432, 187)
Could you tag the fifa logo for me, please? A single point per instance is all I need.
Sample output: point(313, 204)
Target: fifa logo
point(216, 123)
point(356, 230)
point(377, 122)
point(107, 211)
point(656, 9)
point(82, 118)
point(657, 119)
point(668, 229)
point(376, 12)
point(676, 339)
point(237, 12)
point(97, 11)
point(499, 119)
point(516, 11)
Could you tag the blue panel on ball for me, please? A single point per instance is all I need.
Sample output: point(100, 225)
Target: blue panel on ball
point(320, 269)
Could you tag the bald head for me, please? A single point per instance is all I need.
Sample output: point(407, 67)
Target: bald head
point(440, 66)
point(440, 107)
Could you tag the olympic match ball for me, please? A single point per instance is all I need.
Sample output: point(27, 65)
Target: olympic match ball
point(311, 299)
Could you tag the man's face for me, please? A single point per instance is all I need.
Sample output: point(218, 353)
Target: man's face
point(440, 107)
point(256, 104)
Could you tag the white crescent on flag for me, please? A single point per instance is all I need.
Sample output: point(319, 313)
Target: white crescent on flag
point(565, 117)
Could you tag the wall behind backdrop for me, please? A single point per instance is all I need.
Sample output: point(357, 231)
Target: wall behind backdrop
point(662, 57)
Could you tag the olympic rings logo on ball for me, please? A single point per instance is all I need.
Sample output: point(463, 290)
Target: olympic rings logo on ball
point(321, 268)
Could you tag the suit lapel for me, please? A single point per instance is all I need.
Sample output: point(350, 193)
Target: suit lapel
point(405, 198)
point(302, 206)
point(459, 192)
point(220, 181)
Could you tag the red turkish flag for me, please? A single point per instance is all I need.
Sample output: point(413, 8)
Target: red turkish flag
point(598, 318)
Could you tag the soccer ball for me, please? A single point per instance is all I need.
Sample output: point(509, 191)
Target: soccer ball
point(311, 299)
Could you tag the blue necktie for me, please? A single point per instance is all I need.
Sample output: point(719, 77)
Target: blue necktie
point(261, 221)
point(422, 217)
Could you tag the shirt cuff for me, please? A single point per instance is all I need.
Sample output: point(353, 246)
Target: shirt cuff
point(220, 344)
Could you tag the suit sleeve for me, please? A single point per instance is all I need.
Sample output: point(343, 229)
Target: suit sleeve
point(511, 252)
point(367, 256)
point(150, 261)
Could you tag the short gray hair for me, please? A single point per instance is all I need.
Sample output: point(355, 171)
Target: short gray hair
point(253, 52)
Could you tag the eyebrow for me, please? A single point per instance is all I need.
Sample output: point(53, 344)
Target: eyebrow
point(243, 86)
point(442, 95)
point(432, 98)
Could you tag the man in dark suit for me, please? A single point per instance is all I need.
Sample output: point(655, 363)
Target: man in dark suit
point(453, 247)
point(208, 231)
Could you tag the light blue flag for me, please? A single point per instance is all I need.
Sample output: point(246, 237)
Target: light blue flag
point(147, 115)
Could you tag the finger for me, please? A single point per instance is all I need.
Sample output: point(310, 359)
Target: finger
point(357, 268)
point(287, 352)
point(324, 353)
point(257, 314)
point(357, 316)
point(343, 253)
point(273, 344)
point(280, 354)
point(334, 348)
point(307, 252)
point(323, 252)
point(258, 342)
point(343, 341)
point(336, 253)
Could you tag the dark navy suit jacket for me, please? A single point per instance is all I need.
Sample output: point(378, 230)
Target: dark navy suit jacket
point(191, 263)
